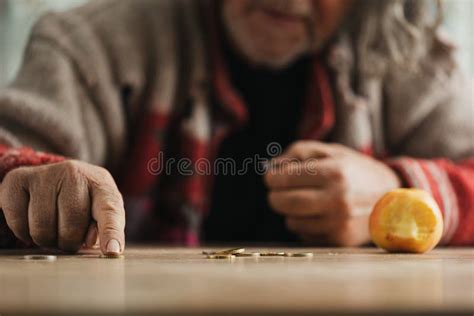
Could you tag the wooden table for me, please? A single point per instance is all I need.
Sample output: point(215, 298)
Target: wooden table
point(179, 281)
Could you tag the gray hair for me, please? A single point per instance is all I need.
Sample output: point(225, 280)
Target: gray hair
point(392, 32)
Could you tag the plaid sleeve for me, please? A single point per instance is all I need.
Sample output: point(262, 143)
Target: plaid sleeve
point(11, 158)
point(452, 186)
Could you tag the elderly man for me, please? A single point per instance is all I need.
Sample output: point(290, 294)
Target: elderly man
point(113, 89)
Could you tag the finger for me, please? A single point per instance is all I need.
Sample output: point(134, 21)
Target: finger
point(42, 212)
point(92, 235)
point(311, 225)
point(303, 150)
point(73, 213)
point(108, 211)
point(15, 199)
point(302, 202)
point(309, 173)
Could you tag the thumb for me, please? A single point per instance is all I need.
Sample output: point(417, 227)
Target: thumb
point(108, 211)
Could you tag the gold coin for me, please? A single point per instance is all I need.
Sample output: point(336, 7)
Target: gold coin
point(299, 254)
point(221, 256)
point(39, 258)
point(272, 254)
point(232, 251)
point(248, 254)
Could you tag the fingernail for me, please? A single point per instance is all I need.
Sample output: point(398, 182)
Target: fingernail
point(113, 246)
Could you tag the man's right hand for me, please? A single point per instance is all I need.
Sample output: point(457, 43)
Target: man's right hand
point(64, 205)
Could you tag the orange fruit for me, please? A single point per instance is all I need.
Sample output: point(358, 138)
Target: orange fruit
point(406, 220)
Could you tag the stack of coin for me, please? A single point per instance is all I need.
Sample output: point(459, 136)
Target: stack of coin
point(223, 254)
point(248, 254)
point(272, 254)
point(240, 252)
point(299, 254)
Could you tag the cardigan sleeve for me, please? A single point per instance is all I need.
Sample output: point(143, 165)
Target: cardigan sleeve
point(452, 186)
point(63, 100)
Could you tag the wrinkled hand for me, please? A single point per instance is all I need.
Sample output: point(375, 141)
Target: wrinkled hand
point(64, 205)
point(328, 191)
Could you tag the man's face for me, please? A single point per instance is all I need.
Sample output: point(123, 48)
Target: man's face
point(275, 32)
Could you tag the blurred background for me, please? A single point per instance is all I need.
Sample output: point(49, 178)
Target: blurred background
point(17, 17)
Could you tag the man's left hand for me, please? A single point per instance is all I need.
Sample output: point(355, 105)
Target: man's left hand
point(327, 191)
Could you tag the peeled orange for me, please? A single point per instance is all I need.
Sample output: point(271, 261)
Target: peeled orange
point(406, 220)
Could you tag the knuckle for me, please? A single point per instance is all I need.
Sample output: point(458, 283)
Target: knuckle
point(15, 177)
point(113, 205)
point(111, 227)
point(299, 147)
point(115, 218)
point(337, 148)
point(71, 167)
point(9, 179)
point(104, 173)
point(67, 172)
point(102, 177)
point(112, 198)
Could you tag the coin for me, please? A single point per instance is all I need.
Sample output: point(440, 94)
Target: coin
point(232, 251)
point(272, 254)
point(248, 254)
point(221, 256)
point(299, 254)
point(40, 257)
